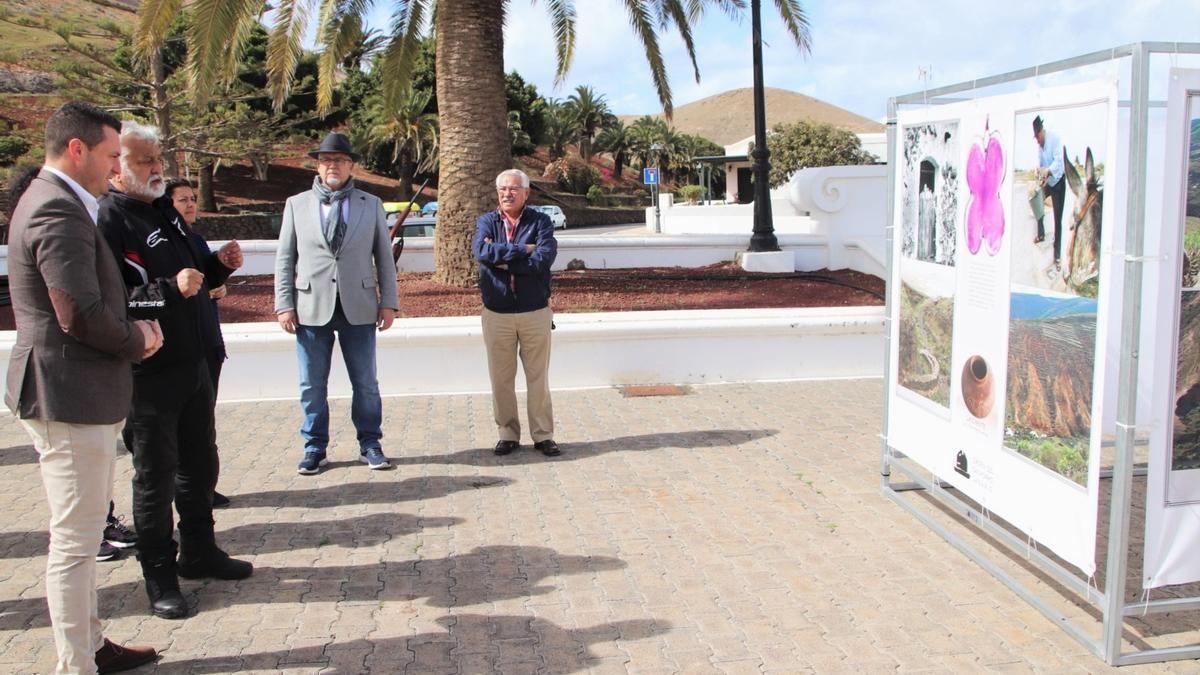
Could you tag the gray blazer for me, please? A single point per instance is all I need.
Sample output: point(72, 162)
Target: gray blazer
point(71, 361)
point(309, 278)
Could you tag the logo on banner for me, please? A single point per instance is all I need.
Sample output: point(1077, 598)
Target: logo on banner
point(960, 464)
point(155, 238)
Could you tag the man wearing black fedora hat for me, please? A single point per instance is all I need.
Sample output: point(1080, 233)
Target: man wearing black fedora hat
point(334, 274)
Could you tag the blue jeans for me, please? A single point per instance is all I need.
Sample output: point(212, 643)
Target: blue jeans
point(314, 347)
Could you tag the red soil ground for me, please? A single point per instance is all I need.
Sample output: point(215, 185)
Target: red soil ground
point(251, 298)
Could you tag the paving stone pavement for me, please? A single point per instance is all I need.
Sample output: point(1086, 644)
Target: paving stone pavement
point(735, 529)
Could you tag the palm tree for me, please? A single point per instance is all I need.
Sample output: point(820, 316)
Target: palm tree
point(470, 68)
point(589, 112)
point(615, 140)
point(560, 128)
point(412, 132)
point(644, 134)
point(363, 49)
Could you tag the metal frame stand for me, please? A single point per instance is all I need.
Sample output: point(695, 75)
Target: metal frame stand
point(1112, 600)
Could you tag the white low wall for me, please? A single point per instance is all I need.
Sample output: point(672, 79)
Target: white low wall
point(844, 206)
point(595, 252)
point(446, 355)
point(849, 205)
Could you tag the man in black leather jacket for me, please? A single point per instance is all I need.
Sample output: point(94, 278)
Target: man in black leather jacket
point(173, 432)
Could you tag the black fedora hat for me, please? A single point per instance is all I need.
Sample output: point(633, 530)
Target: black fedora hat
point(335, 142)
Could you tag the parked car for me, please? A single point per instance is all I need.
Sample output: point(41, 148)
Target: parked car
point(557, 217)
point(429, 209)
point(397, 207)
point(415, 225)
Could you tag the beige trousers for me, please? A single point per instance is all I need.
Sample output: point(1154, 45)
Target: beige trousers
point(506, 336)
point(77, 464)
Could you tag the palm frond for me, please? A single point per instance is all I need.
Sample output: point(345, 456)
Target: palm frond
point(643, 24)
point(675, 11)
point(284, 46)
point(154, 20)
point(339, 25)
point(210, 47)
point(562, 20)
point(397, 60)
point(732, 8)
point(796, 22)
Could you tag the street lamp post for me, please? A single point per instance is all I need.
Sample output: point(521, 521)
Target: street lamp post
point(763, 238)
point(655, 149)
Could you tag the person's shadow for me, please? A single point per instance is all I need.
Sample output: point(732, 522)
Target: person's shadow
point(20, 454)
point(373, 492)
point(485, 574)
point(688, 440)
point(472, 643)
point(361, 531)
point(24, 544)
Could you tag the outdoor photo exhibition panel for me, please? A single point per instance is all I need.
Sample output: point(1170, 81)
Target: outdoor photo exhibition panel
point(1003, 303)
point(1172, 544)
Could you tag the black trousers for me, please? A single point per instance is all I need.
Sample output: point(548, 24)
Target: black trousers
point(1058, 195)
point(174, 460)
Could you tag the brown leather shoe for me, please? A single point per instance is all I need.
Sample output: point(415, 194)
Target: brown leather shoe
point(113, 658)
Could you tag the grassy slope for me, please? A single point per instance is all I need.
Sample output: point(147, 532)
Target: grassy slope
point(38, 49)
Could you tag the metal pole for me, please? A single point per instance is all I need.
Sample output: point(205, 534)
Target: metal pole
point(890, 287)
point(657, 211)
point(1122, 484)
point(763, 238)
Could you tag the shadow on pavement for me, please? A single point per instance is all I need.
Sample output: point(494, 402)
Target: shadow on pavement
point(21, 454)
point(486, 574)
point(362, 531)
point(713, 438)
point(24, 544)
point(472, 643)
point(374, 492)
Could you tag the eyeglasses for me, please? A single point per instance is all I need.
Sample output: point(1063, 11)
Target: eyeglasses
point(334, 160)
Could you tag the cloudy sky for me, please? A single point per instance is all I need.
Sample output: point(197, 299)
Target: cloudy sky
point(863, 50)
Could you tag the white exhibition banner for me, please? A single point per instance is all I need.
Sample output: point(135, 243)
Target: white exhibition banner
point(1002, 303)
point(1172, 305)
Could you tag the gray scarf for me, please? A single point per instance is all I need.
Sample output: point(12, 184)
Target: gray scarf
point(334, 226)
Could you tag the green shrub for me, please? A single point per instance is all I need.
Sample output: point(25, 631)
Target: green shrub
point(12, 147)
point(572, 174)
point(691, 193)
point(596, 196)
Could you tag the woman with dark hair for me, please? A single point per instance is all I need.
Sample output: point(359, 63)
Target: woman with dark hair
point(182, 194)
point(17, 187)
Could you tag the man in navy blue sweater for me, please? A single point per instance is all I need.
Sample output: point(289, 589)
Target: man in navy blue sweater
point(515, 247)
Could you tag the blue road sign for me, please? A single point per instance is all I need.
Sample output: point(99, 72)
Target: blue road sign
point(650, 176)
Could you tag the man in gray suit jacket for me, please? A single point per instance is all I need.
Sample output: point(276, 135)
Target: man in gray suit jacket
point(334, 273)
point(69, 376)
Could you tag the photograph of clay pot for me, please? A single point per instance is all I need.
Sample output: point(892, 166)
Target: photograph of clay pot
point(977, 390)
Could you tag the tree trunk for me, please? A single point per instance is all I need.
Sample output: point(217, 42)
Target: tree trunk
point(474, 128)
point(162, 113)
point(207, 202)
point(262, 165)
point(407, 168)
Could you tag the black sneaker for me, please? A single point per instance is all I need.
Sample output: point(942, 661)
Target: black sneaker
point(108, 552)
point(119, 536)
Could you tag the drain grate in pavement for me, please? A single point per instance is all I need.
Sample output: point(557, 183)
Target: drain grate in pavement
point(635, 390)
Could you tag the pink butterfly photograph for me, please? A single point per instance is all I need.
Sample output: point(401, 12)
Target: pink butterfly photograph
point(985, 213)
